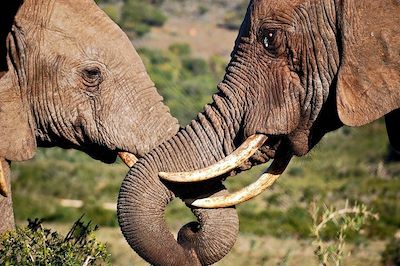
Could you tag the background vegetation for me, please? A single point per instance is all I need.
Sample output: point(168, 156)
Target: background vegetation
point(186, 83)
point(348, 165)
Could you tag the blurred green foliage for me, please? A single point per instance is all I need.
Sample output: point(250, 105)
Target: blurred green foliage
point(140, 15)
point(233, 18)
point(135, 16)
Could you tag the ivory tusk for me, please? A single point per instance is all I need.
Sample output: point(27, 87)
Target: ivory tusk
point(266, 180)
point(128, 158)
point(3, 183)
point(232, 161)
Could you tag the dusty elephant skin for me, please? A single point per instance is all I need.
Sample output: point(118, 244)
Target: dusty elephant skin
point(299, 69)
point(70, 77)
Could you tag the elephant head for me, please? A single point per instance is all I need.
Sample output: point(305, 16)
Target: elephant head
point(299, 69)
point(70, 77)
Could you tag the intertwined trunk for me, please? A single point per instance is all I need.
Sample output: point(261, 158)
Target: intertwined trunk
point(143, 197)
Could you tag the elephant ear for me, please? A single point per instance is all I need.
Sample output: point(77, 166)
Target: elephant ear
point(369, 75)
point(17, 139)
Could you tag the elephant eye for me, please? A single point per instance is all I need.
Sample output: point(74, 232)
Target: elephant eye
point(269, 38)
point(270, 41)
point(92, 76)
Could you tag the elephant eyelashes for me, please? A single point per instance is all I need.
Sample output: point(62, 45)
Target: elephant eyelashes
point(92, 76)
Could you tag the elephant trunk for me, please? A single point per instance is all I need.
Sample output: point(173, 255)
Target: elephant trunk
point(153, 122)
point(143, 197)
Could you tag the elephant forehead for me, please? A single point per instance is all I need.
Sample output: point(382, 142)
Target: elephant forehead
point(76, 32)
point(271, 7)
point(81, 30)
point(82, 20)
point(56, 45)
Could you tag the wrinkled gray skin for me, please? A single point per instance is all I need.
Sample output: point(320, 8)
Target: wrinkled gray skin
point(70, 77)
point(298, 70)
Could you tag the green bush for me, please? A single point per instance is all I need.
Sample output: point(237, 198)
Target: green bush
point(180, 49)
point(196, 66)
point(36, 245)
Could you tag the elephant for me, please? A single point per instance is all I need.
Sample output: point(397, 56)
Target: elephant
point(70, 77)
point(298, 70)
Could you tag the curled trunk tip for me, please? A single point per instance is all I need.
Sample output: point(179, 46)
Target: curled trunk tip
point(141, 206)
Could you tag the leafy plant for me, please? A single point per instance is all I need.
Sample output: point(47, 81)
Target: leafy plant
point(36, 245)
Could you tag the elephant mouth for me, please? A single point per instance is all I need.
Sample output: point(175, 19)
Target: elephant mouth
point(101, 153)
point(255, 146)
point(108, 156)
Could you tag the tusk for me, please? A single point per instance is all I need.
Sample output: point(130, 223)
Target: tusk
point(265, 181)
point(128, 158)
point(232, 161)
point(3, 183)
